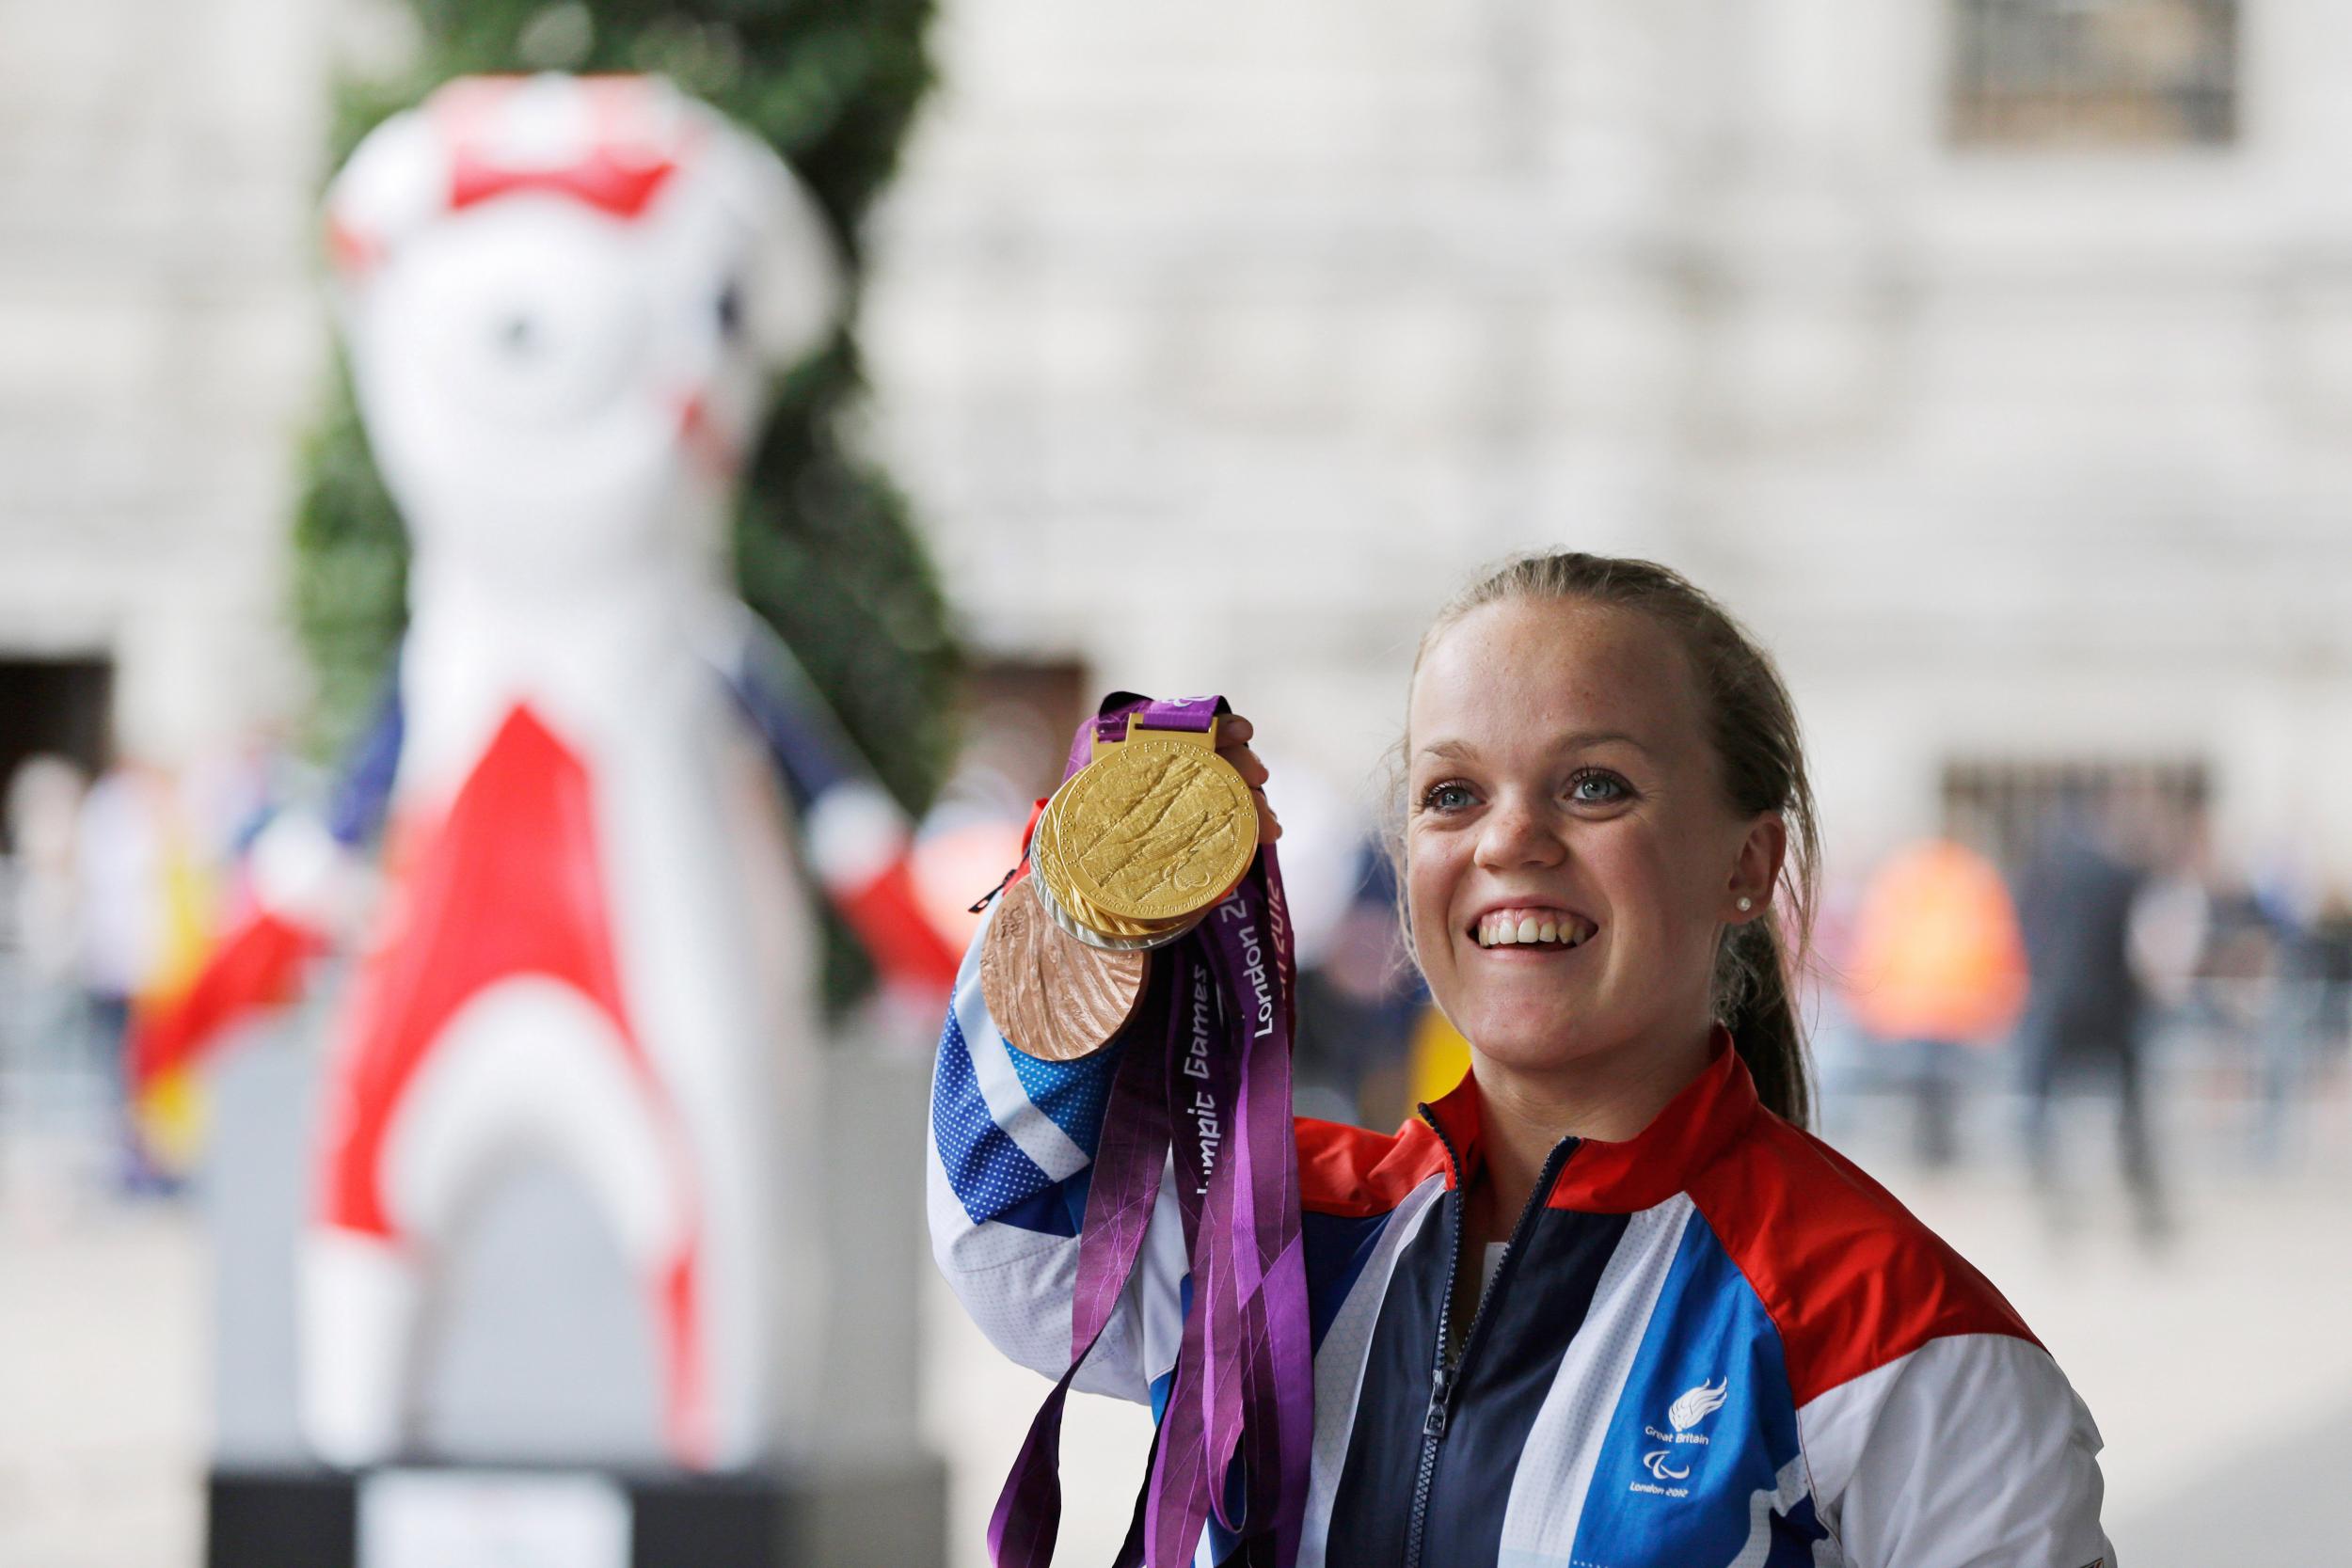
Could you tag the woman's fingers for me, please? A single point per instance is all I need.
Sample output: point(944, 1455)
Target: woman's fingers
point(1234, 734)
point(1245, 763)
point(1269, 825)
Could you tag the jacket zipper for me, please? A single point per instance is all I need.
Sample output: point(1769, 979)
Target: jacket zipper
point(1446, 1373)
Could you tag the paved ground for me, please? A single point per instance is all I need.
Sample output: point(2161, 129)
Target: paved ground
point(2221, 1372)
point(101, 1352)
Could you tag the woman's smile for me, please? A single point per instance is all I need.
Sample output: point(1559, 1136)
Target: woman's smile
point(1534, 927)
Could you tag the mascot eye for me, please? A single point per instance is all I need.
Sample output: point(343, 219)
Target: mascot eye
point(519, 335)
point(730, 307)
point(523, 321)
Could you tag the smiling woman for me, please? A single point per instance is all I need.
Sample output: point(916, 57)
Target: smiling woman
point(1608, 1303)
point(1594, 746)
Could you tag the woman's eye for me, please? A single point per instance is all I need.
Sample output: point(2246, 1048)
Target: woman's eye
point(1597, 789)
point(1445, 797)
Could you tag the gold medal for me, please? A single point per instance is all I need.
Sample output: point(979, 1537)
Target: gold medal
point(1055, 869)
point(1054, 997)
point(1136, 845)
point(1159, 829)
point(1069, 923)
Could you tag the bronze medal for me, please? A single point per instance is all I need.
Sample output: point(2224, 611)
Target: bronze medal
point(1054, 997)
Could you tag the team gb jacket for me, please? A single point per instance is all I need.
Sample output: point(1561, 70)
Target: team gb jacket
point(1717, 1343)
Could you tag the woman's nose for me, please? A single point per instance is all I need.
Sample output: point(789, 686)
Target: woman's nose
point(1516, 834)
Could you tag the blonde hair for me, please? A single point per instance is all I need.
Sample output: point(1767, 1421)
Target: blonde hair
point(1752, 726)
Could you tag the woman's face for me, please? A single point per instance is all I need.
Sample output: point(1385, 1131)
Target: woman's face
point(1561, 780)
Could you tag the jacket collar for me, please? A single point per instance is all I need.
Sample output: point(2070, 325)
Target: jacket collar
point(1645, 1169)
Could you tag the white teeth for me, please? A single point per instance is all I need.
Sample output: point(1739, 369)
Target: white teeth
point(1504, 930)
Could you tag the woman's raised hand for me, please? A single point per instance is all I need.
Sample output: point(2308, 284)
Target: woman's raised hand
point(1234, 734)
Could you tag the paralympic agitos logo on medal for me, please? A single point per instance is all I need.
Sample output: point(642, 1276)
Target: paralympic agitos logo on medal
point(1671, 1463)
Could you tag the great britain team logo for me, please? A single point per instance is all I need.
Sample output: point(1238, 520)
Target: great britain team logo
point(1672, 1462)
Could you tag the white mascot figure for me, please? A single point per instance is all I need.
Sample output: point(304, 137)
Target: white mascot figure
point(565, 301)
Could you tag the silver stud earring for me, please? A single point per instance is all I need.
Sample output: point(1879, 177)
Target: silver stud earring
point(1746, 903)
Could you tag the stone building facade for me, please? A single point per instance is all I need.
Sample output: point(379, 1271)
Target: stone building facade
point(1217, 342)
point(160, 347)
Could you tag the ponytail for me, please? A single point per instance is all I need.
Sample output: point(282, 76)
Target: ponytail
point(1752, 990)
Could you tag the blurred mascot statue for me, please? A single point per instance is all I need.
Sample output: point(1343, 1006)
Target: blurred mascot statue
point(565, 301)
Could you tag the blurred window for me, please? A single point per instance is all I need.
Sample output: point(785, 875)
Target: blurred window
point(2064, 74)
point(54, 705)
point(1018, 714)
point(2008, 808)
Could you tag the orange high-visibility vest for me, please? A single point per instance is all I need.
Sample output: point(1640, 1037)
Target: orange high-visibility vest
point(1937, 953)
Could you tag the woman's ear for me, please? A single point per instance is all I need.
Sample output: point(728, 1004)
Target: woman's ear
point(1757, 870)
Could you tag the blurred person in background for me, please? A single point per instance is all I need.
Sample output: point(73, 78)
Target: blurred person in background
point(47, 1032)
point(119, 855)
point(1936, 972)
point(44, 801)
point(2266, 993)
point(2083, 1023)
point(1360, 1001)
point(2284, 1036)
point(2331, 941)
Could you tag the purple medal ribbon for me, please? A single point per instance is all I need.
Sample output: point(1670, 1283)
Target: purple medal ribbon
point(1217, 1096)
